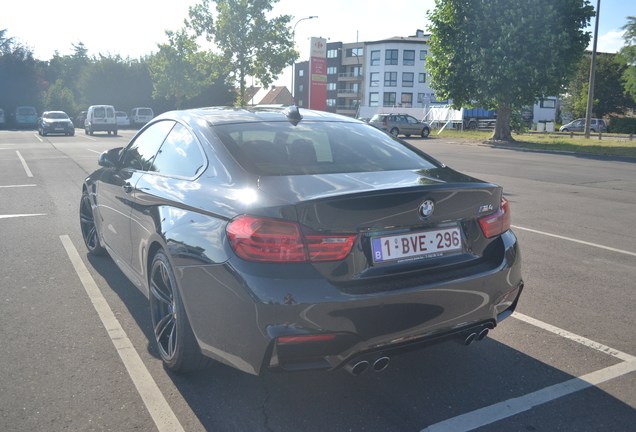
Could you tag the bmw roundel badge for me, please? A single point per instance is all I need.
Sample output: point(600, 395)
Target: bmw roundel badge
point(426, 208)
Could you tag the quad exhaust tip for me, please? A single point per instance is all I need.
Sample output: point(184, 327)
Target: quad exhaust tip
point(359, 367)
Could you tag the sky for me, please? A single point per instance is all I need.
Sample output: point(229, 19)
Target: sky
point(133, 28)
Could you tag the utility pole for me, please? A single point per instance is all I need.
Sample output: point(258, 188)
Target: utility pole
point(590, 91)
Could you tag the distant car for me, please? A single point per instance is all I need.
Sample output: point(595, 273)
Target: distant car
point(122, 119)
point(26, 117)
point(139, 116)
point(287, 239)
point(403, 124)
point(55, 122)
point(578, 125)
point(100, 118)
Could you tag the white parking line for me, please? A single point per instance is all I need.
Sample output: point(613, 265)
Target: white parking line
point(157, 406)
point(511, 407)
point(499, 411)
point(17, 186)
point(24, 164)
point(94, 151)
point(574, 337)
point(21, 215)
point(40, 139)
point(575, 240)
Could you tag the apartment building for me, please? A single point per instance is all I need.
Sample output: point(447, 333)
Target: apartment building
point(363, 77)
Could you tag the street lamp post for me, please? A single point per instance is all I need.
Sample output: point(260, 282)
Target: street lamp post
point(293, 91)
point(590, 91)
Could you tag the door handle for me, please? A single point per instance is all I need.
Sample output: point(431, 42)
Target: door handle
point(127, 187)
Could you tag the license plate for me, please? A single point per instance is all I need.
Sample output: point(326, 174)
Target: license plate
point(418, 245)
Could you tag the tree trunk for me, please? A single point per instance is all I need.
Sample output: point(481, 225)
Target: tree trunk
point(502, 126)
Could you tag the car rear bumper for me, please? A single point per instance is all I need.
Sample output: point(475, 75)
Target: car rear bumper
point(251, 318)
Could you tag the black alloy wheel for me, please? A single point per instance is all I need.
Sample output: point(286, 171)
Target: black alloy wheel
point(395, 132)
point(89, 230)
point(425, 132)
point(175, 340)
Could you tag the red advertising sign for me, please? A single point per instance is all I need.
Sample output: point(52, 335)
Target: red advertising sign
point(318, 74)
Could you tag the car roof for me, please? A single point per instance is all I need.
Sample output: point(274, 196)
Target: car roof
point(227, 115)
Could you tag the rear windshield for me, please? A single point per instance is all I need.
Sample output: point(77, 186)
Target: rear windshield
point(144, 112)
point(279, 148)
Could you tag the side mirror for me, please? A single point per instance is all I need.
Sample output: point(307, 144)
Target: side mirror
point(110, 158)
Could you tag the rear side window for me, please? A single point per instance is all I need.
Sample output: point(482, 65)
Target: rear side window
point(140, 154)
point(180, 154)
point(279, 148)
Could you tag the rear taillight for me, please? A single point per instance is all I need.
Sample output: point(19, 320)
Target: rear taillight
point(498, 222)
point(276, 240)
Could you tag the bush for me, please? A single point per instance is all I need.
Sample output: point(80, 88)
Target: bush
point(625, 125)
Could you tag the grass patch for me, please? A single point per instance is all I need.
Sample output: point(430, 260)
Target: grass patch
point(609, 145)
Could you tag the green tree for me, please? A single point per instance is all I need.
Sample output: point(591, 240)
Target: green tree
point(180, 71)
point(21, 81)
point(251, 43)
point(505, 54)
point(609, 93)
point(58, 97)
point(628, 56)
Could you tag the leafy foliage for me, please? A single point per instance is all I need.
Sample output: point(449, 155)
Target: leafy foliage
point(628, 56)
point(505, 54)
point(251, 43)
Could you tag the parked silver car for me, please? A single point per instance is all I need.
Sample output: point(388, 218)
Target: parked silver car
point(578, 125)
point(397, 124)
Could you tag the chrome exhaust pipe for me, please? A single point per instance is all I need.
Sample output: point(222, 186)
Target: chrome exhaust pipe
point(470, 338)
point(482, 334)
point(357, 368)
point(380, 364)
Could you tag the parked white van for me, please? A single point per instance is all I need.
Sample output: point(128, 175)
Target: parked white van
point(100, 118)
point(140, 116)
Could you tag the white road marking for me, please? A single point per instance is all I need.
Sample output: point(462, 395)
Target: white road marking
point(40, 139)
point(24, 164)
point(17, 186)
point(94, 151)
point(21, 215)
point(574, 337)
point(511, 407)
point(157, 406)
point(499, 411)
point(576, 241)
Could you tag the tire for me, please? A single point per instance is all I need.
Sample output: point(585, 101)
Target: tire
point(89, 229)
point(425, 132)
point(176, 343)
point(565, 130)
point(394, 132)
point(115, 132)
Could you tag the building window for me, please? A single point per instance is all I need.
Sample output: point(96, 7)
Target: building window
point(548, 103)
point(375, 58)
point(374, 99)
point(374, 79)
point(332, 70)
point(409, 58)
point(407, 79)
point(423, 54)
point(391, 57)
point(421, 97)
point(332, 53)
point(389, 99)
point(356, 71)
point(407, 100)
point(332, 86)
point(301, 87)
point(421, 78)
point(301, 72)
point(390, 79)
point(354, 52)
point(331, 102)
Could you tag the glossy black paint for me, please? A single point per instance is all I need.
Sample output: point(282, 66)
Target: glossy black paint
point(237, 309)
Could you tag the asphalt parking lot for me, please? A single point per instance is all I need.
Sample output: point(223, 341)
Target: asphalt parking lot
point(79, 353)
